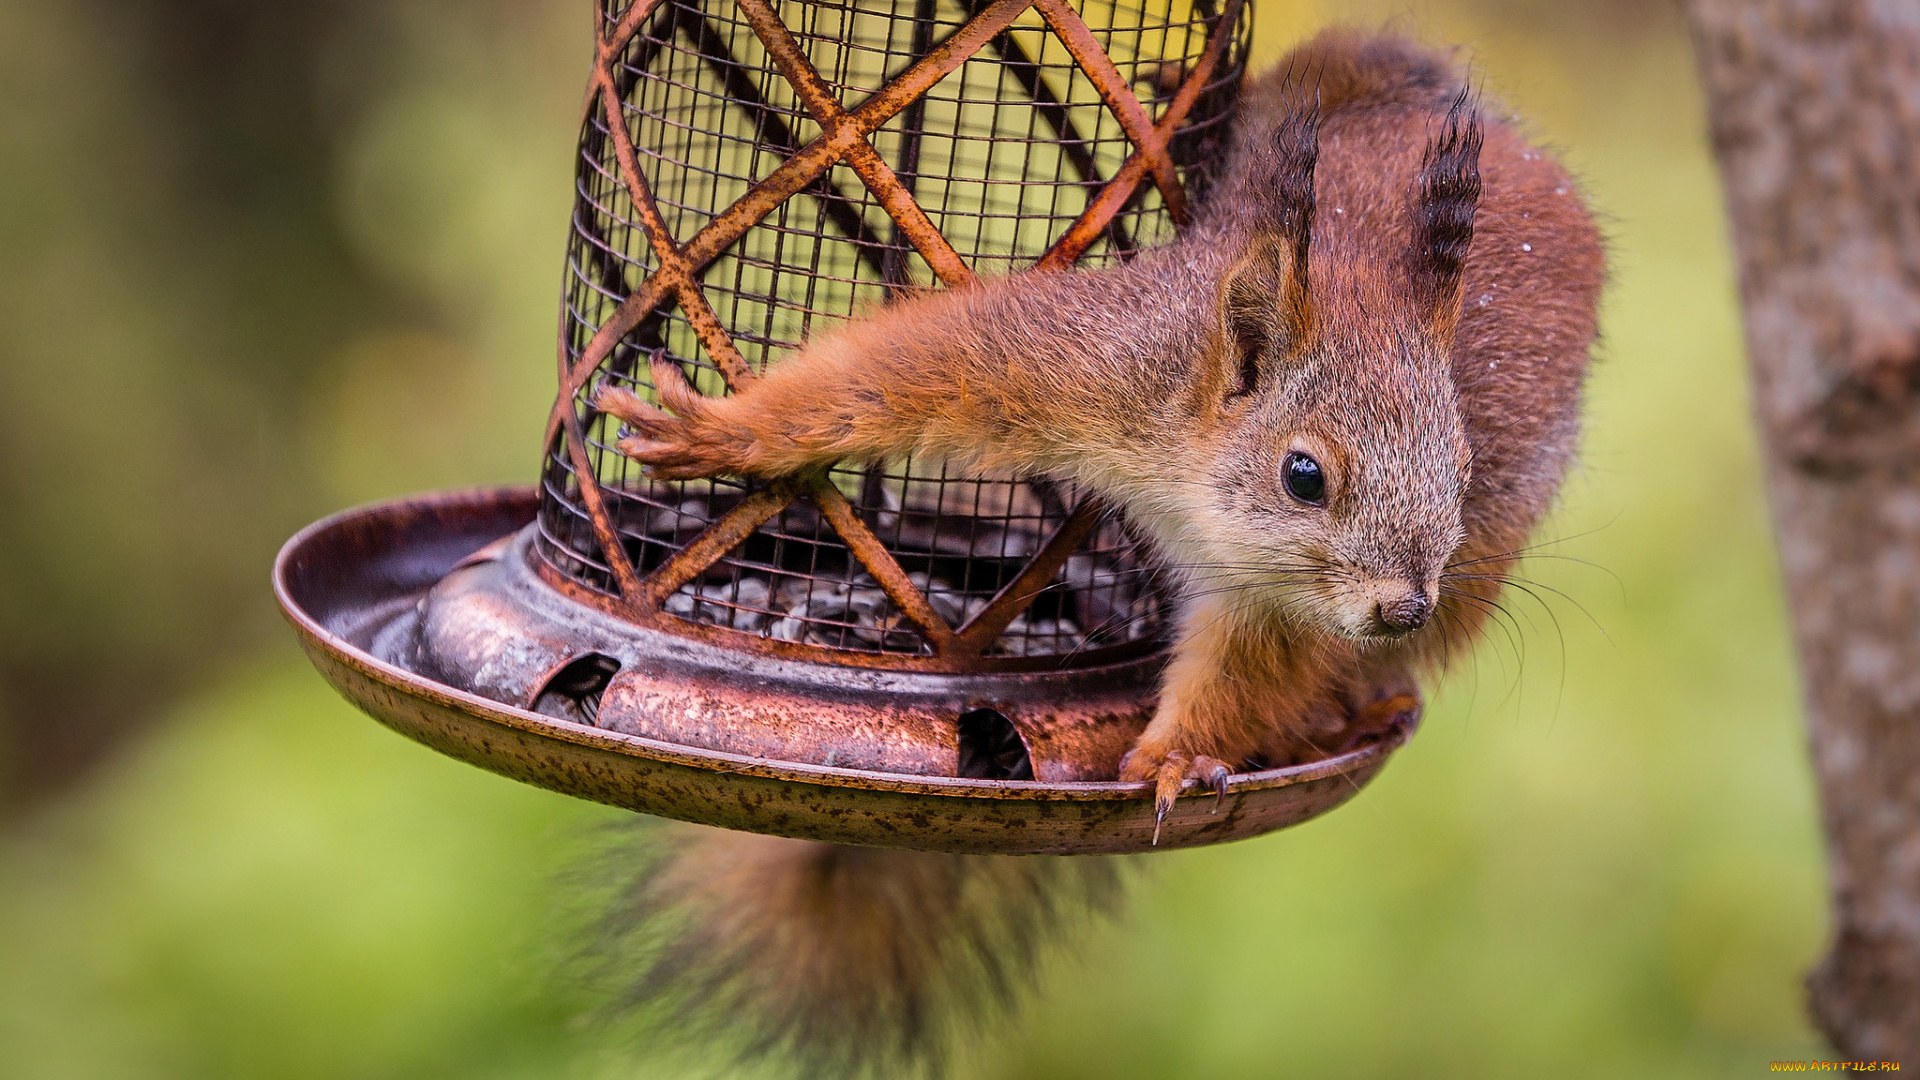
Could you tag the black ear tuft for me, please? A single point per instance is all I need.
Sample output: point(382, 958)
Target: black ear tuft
point(1444, 207)
point(1296, 142)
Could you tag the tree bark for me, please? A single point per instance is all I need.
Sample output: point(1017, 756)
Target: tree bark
point(1815, 112)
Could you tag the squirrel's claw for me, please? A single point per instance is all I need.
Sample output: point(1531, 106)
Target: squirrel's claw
point(625, 406)
point(1214, 774)
point(675, 391)
point(1167, 781)
point(1169, 774)
point(684, 444)
point(655, 454)
point(690, 407)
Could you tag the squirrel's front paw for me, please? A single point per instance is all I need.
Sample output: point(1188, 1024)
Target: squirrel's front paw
point(1169, 770)
point(689, 442)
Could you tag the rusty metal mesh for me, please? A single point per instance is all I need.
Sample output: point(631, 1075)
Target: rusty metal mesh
point(748, 175)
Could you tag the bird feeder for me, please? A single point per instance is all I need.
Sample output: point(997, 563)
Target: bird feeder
point(894, 654)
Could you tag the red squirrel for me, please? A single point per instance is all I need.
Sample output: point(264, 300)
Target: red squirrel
point(1338, 402)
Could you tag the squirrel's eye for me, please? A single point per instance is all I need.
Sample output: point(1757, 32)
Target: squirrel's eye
point(1303, 478)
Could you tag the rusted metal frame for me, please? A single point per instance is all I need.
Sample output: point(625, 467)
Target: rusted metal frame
point(550, 542)
point(754, 642)
point(773, 131)
point(574, 373)
point(865, 161)
point(883, 566)
point(1100, 212)
point(604, 62)
point(1150, 144)
point(612, 42)
point(589, 145)
point(1016, 62)
point(706, 245)
point(733, 367)
point(644, 56)
point(624, 574)
point(791, 59)
point(906, 213)
point(632, 311)
point(712, 48)
point(608, 44)
point(1114, 197)
point(681, 264)
point(1017, 595)
point(671, 273)
point(601, 266)
point(759, 644)
point(630, 70)
point(953, 661)
point(722, 536)
point(564, 423)
point(796, 173)
point(957, 49)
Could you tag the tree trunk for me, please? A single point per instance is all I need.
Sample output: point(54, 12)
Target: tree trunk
point(1815, 108)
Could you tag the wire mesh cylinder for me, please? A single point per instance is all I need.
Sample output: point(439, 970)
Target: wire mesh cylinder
point(748, 175)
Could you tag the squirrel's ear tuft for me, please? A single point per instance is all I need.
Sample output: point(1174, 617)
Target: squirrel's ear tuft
point(1289, 209)
point(1445, 201)
point(1265, 300)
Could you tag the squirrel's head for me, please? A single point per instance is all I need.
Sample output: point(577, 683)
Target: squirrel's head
point(1346, 459)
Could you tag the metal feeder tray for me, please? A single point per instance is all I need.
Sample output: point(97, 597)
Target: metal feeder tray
point(354, 586)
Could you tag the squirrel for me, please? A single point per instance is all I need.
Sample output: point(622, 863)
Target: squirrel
point(1338, 402)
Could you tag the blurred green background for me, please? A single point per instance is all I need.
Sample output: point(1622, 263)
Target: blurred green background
point(261, 261)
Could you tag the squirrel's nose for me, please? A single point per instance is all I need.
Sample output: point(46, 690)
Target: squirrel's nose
point(1409, 612)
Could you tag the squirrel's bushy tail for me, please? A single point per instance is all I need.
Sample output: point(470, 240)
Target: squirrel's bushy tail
point(842, 961)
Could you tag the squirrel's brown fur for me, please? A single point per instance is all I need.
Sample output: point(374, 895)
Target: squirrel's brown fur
point(1382, 278)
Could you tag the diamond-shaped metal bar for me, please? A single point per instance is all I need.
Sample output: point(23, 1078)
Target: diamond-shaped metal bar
point(1020, 66)
point(672, 275)
point(673, 265)
point(881, 564)
point(866, 163)
point(1149, 144)
point(722, 536)
point(1103, 208)
point(738, 83)
point(625, 577)
point(614, 40)
point(1017, 595)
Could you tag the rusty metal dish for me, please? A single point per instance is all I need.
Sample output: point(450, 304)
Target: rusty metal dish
point(349, 581)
